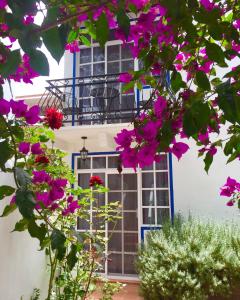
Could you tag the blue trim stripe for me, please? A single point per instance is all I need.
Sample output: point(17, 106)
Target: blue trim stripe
point(171, 185)
point(74, 88)
point(144, 228)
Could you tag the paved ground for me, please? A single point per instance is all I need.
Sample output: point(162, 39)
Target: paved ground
point(128, 292)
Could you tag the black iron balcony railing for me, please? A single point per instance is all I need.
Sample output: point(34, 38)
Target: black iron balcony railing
point(94, 100)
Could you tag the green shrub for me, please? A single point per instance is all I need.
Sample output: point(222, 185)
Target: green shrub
point(190, 260)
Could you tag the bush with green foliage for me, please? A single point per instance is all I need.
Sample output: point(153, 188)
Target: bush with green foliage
point(190, 260)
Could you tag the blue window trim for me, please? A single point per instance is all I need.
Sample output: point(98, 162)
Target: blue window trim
point(148, 228)
point(170, 165)
point(74, 88)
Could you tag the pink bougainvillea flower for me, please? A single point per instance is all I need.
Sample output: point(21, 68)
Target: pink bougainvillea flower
point(29, 19)
point(43, 199)
point(230, 187)
point(32, 115)
point(24, 147)
point(4, 107)
point(203, 138)
point(236, 24)
point(3, 4)
point(13, 200)
point(149, 131)
point(19, 108)
point(73, 206)
point(70, 199)
point(179, 148)
point(54, 206)
point(230, 203)
point(125, 77)
point(41, 177)
point(36, 149)
point(212, 151)
point(56, 193)
point(159, 106)
point(208, 5)
point(124, 138)
point(72, 47)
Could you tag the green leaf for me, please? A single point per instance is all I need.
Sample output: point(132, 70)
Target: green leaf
point(72, 257)
point(123, 21)
point(12, 63)
point(5, 191)
point(18, 132)
point(29, 38)
point(36, 231)
point(58, 240)
point(39, 62)
point(6, 153)
point(1, 91)
point(55, 40)
point(215, 53)
point(176, 81)
point(102, 30)
point(208, 161)
point(202, 81)
point(85, 40)
point(23, 177)
point(25, 202)
point(196, 118)
point(8, 210)
point(21, 225)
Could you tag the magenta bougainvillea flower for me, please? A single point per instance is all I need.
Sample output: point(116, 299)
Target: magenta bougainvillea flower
point(72, 47)
point(230, 187)
point(24, 147)
point(32, 115)
point(4, 107)
point(41, 177)
point(19, 108)
point(36, 149)
point(3, 4)
point(125, 77)
point(179, 148)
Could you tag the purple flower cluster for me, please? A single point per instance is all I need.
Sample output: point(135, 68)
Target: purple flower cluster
point(20, 110)
point(230, 187)
point(25, 147)
point(145, 135)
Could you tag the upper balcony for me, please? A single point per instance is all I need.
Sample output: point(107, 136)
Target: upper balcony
point(93, 100)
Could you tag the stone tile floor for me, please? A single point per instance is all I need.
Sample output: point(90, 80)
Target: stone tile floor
point(129, 292)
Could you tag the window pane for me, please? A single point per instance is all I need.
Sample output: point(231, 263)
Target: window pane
point(163, 164)
point(162, 179)
point(162, 215)
point(130, 201)
point(130, 242)
point(147, 180)
point(84, 91)
point(99, 162)
point(128, 102)
point(98, 54)
point(129, 264)
point(130, 220)
point(127, 66)
point(85, 55)
point(98, 69)
point(85, 70)
point(126, 52)
point(162, 198)
point(113, 52)
point(82, 224)
point(113, 162)
point(114, 182)
point(84, 164)
point(114, 196)
point(149, 216)
point(98, 221)
point(130, 181)
point(148, 198)
point(99, 199)
point(115, 241)
point(116, 225)
point(113, 68)
point(115, 263)
point(147, 168)
point(83, 180)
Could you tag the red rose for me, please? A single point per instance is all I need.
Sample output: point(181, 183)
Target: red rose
point(41, 159)
point(53, 118)
point(95, 180)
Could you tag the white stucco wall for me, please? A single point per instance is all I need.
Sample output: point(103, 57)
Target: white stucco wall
point(196, 192)
point(23, 267)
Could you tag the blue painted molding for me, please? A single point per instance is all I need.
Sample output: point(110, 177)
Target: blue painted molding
point(148, 228)
point(74, 88)
point(171, 185)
